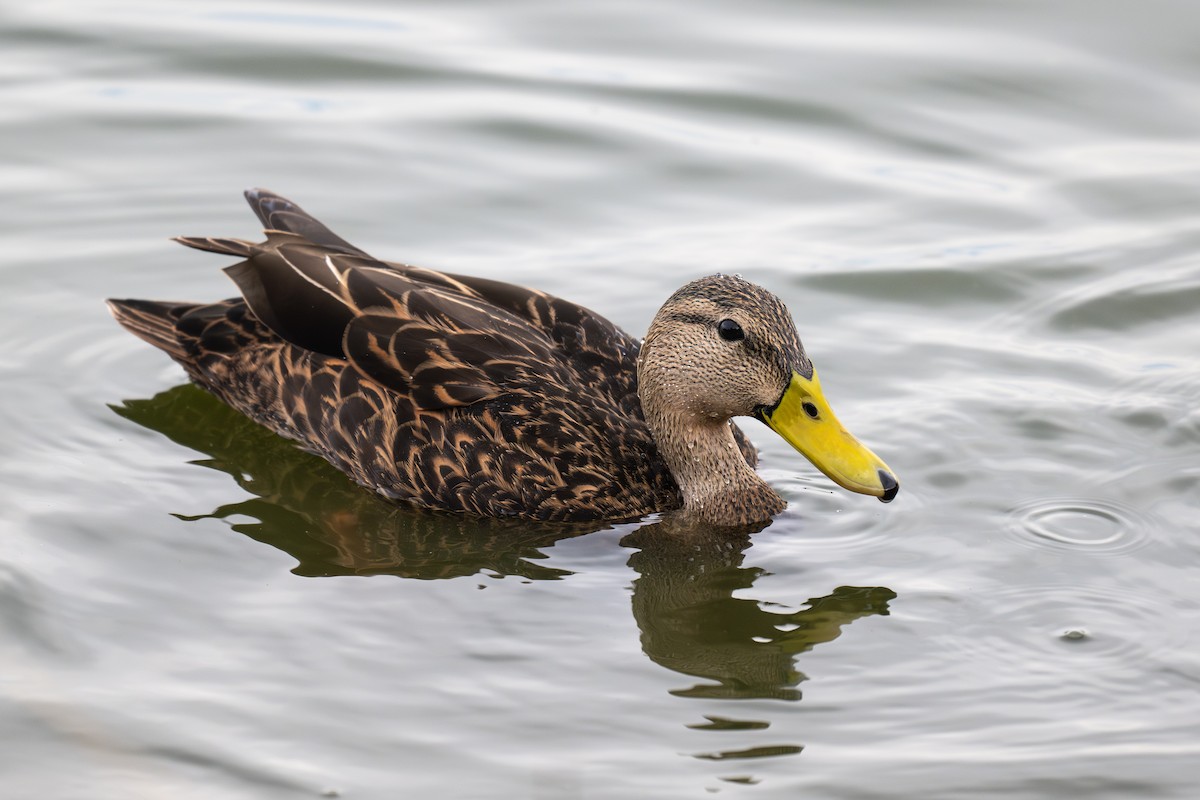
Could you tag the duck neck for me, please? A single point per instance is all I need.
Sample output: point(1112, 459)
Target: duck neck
point(717, 484)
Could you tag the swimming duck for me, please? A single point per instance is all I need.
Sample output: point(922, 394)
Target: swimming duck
point(468, 394)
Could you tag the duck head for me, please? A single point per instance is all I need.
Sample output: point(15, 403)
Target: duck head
point(722, 347)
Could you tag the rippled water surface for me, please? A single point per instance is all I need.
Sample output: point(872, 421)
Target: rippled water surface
point(985, 218)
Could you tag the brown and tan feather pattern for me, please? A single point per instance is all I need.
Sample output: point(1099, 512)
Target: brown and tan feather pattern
point(450, 392)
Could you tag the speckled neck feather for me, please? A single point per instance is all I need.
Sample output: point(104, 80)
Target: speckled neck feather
point(691, 383)
point(717, 484)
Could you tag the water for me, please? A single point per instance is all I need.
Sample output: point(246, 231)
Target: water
point(984, 219)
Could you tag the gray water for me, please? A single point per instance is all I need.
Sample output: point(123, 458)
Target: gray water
point(985, 218)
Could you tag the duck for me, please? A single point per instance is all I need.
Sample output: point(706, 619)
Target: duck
point(468, 394)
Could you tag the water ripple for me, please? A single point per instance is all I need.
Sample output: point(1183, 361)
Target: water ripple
point(1081, 525)
point(1056, 626)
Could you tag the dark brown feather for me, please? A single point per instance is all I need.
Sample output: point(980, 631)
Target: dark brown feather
point(280, 214)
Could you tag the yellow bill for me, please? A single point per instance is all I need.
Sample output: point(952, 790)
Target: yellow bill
point(805, 421)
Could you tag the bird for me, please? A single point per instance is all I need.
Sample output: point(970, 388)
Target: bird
point(468, 394)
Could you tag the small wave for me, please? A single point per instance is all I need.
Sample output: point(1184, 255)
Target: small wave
point(1022, 626)
point(1081, 525)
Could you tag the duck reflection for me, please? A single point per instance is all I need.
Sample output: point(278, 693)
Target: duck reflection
point(683, 598)
point(691, 622)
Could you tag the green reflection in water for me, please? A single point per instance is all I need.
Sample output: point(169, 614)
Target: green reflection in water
point(691, 622)
point(683, 598)
point(754, 752)
point(725, 724)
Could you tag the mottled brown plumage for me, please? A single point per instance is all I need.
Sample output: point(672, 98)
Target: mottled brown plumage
point(468, 394)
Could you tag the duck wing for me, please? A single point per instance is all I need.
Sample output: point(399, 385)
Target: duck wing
point(396, 322)
point(277, 213)
point(440, 347)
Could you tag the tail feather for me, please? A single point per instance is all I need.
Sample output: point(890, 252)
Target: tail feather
point(217, 244)
point(157, 322)
point(152, 321)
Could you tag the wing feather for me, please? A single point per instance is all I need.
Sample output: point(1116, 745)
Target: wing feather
point(425, 354)
point(280, 214)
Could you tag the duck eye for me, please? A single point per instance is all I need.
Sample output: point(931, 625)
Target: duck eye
point(810, 409)
point(730, 331)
